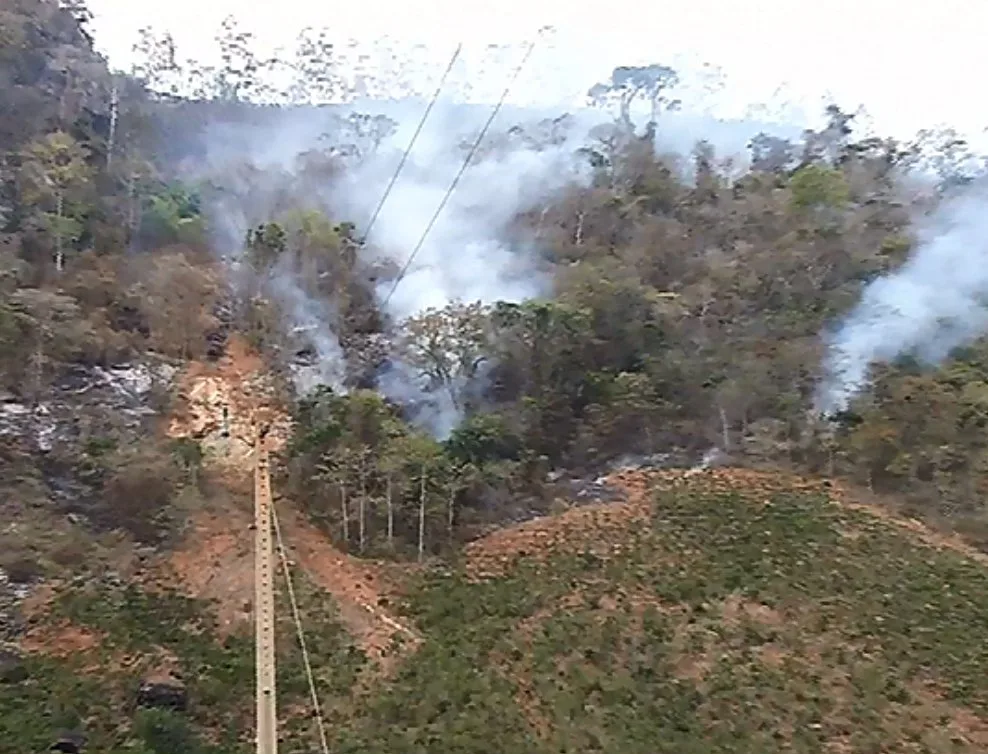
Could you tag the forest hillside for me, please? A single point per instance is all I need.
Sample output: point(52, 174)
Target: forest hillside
point(663, 435)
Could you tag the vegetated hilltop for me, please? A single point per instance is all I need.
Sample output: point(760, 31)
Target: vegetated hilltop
point(724, 611)
point(687, 306)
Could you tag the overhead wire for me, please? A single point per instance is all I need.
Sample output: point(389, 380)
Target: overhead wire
point(296, 616)
point(317, 711)
point(408, 149)
point(456, 180)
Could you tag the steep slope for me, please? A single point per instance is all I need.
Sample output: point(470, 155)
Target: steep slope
point(180, 620)
point(223, 403)
point(724, 610)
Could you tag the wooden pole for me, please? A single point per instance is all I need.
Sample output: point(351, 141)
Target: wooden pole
point(267, 719)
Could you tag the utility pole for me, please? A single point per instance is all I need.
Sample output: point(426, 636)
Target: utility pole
point(267, 719)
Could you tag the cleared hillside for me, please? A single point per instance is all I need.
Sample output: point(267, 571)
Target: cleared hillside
point(725, 611)
point(728, 611)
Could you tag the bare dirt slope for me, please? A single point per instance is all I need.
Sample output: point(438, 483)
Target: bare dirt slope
point(216, 560)
point(599, 527)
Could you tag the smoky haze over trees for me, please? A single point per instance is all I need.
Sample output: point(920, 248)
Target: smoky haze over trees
point(597, 289)
point(624, 283)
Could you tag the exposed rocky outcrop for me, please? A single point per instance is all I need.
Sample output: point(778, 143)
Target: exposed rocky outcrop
point(83, 401)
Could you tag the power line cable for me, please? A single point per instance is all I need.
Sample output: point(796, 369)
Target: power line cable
point(456, 180)
point(408, 149)
point(317, 711)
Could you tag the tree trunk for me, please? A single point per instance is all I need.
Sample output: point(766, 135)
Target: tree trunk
point(111, 138)
point(132, 204)
point(538, 228)
point(38, 367)
point(626, 110)
point(391, 516)
point(422, 515)
point(63, 102)
point(362, 507)
point(450, 513)
point(59, 252)
point(724, 430)
point(346, 516)
point(38, 364)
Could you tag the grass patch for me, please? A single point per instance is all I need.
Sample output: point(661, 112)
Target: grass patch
point(734, 623)
point(95, 690)
point(745, 623)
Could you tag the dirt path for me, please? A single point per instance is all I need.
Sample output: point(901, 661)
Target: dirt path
point(220, 405)
point(359, 586)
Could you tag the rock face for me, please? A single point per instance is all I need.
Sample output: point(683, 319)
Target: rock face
point(163, 691)
point(84, 397)
point(69, 743)
point(12, 669)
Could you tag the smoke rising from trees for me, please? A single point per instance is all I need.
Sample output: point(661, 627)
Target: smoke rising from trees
point(931, 305)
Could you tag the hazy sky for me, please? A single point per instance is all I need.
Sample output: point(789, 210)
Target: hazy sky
point(911, 64)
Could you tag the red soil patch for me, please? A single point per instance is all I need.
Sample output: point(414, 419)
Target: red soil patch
point(238, 384)
point(600, 528)
point(358, 586)
point(217, 562)
point(61, 640)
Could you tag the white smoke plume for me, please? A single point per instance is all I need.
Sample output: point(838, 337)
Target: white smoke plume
point(258, 168)
point(258, 159)
point(936, 302)
point(313, 322)
point(434, 412)
point(464, 255)
point(245, 195)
